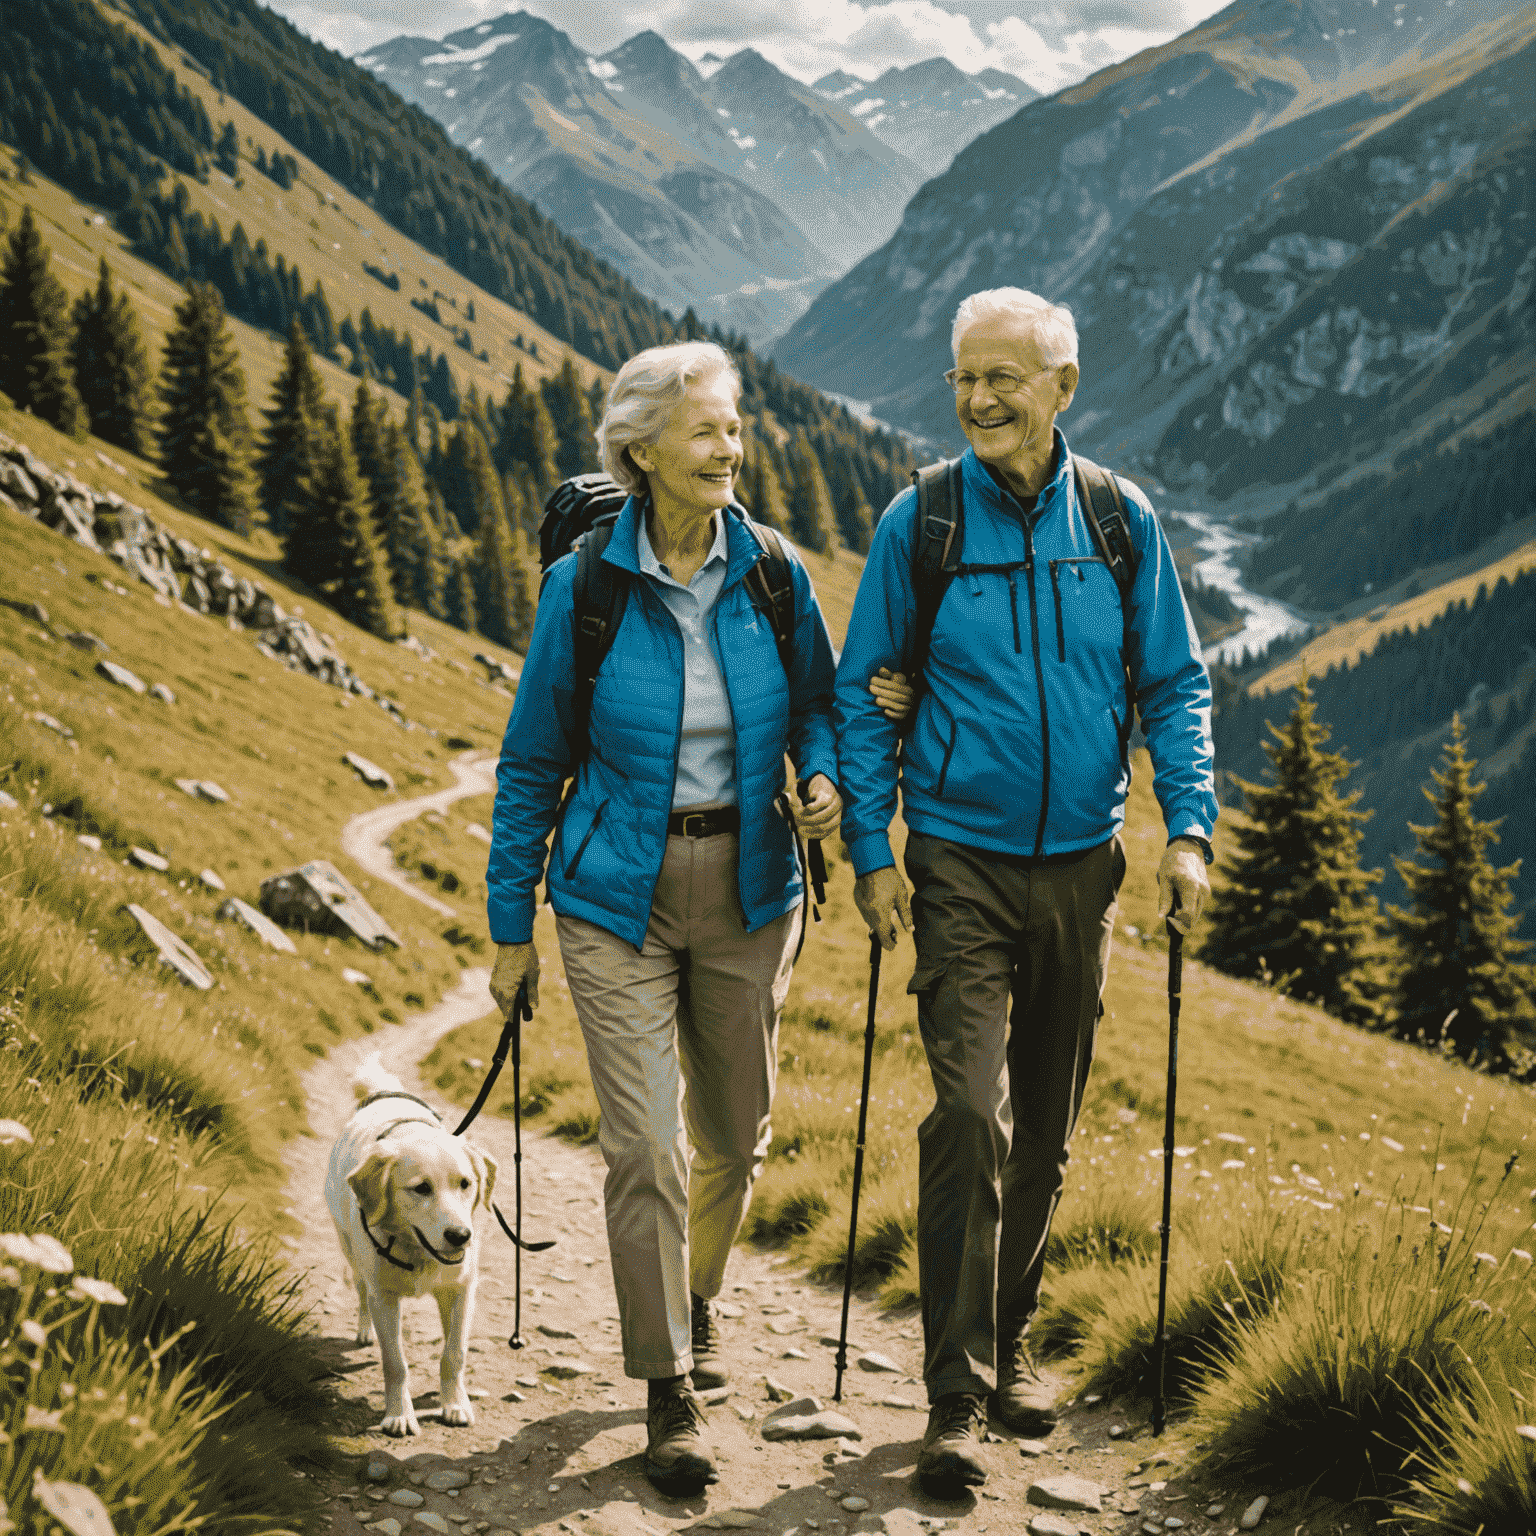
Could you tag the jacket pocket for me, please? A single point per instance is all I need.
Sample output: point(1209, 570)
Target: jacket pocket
point(949, 752)
point(597, 821)
point(1067, 568)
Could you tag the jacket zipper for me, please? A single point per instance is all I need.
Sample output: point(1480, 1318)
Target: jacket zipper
point(597, 821)
point(1045, 720)
point(1079, 561)
point(1013, 605)
point(949, 752)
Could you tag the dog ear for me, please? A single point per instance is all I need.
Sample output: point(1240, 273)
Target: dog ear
point(485, 1175)
point(370, 1182)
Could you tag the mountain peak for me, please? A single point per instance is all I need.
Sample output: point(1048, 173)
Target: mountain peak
point(649, 55)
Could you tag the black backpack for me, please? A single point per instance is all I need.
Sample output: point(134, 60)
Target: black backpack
point(940, 543)
point(580, 515)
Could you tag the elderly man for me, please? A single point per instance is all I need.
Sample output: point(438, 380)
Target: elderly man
point(1014, 773)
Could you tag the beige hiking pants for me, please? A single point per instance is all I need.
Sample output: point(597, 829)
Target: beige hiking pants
point(682, 1043)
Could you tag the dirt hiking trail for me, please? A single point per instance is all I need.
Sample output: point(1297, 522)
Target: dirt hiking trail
point(559, 1431)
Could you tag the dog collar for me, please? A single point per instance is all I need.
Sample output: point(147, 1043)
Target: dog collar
point(398, 1093)
point(383, 1250)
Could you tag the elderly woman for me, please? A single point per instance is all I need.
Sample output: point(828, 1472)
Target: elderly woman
point(673, 877)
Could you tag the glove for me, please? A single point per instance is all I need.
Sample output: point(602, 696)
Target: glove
point(515, 964)
point(1182, 884)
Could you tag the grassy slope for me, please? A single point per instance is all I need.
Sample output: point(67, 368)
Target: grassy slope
point(1346, 642)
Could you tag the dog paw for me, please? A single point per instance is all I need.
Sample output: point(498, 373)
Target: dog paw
point(364, 1336)
point(458, 1414)
point(400, 1423)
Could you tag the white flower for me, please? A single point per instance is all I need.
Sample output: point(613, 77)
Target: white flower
point(76, 1508)
point(34, 1332)
point(40, 1250)
point(100, 1290)
point(12, 1131)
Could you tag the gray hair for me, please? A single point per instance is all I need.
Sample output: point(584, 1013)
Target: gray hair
point(647, 389)
point(1054, 329)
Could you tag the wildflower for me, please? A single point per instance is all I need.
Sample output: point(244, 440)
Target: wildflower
point(1395, 1146)
point(44, 1418)
point(12, 1131)
point(75, 1507)
point(34, 1332)
point(1486, 1258)
point(39, 1250)
point(100, 1291)
point(1234, 1162)
point(1528, 1431)
point(1519, 1253)
point(1479, 1305)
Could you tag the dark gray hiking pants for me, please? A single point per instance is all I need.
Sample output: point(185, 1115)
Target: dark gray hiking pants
point(992, 1155)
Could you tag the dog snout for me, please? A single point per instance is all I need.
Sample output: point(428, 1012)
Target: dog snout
point(456, 1237)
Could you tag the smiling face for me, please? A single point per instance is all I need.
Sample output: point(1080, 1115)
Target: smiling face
point(692, 465)
point(425, 1184)
point(1012, 430)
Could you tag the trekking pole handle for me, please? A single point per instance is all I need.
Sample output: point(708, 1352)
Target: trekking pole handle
point(813, 856)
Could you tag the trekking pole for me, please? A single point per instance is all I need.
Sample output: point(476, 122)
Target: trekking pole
point(1175, 986)
point(520, 1011)
point(816, 864)
point(858, 1162)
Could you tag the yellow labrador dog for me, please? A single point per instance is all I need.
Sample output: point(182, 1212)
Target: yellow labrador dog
point(403, 1193)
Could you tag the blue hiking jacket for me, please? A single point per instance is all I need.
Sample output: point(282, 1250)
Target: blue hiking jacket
point(1021, 741)
point(608, 852)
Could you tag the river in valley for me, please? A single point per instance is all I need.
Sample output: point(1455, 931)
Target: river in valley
point(1264, 618)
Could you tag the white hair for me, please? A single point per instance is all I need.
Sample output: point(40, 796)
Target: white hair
point(646, 391)
point(1052, 325)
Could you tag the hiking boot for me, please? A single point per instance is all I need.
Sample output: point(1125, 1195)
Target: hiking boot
point(950, 1460)
point(708, 1368)
point(1025, 1401)
point(675, 1459)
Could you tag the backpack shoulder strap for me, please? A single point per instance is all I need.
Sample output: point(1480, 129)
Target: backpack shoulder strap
point(599, 595)
point(1104, 506)
point(938, 542)
point(771, 586)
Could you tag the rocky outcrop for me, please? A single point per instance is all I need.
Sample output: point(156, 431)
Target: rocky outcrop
point(318, 898)
point(177, 570)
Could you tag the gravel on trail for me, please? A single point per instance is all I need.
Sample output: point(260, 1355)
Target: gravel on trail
point(556, 1451)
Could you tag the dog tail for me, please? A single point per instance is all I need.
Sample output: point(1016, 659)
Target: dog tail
point(373, 1077)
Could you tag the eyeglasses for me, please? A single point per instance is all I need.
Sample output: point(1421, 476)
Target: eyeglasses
point(999, 381)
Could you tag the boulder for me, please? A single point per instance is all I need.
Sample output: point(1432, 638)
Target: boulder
point(806, 1419)
point(203, 789)
point(120, 675)
point(211, 880)
point(873, 1360)
point(161, 692)
point(49, 723)
point(318, 898)
point(1066, 1492)
point(356, 978)
point(8, 801)
point(84, 640)
point(369, 773)
point(37, 613)
point(263, 927)
point(146, 858)
point(18, 483)
point(173, 951)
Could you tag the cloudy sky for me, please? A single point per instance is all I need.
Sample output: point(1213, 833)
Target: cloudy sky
point(1050, 47)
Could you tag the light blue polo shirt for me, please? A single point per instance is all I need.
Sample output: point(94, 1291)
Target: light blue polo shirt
point(706, 755)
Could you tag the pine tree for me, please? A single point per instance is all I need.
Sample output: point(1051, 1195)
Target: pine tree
point(34, 367)
point(204, 437)
point(572, 417)
point(226, 153)
point(459, 595)
point(812, 521)
point(1297, 905)
point(111, 364)
point(292, 433)
point(332, 545)
point(1457, 947)
point(502, 599)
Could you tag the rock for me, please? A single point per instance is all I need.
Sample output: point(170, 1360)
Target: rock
point(806, 1419)
point(432, 1520)
point(714, 1395)
point(777, 1391)
point(475, 830)
point(18, 483)
point(873, 1360)
point(173, 951)
point(8, 802)
point(1052, 1525)
point(121, 676)
point(89, 840)
point(744, 1413)
point(1254, 1513)
point(355, 977)
point(735, 1520)
point(1173, 1523)
point(317, 898)
point(1214, 1511)
point(567, 1368)
point(784, 1327)
point(161, 692)
point(724, 1308)
point(1032, 1447)
point(896, 1402)
point(794, 1354)
point(1066, 1492)
point(378, 1470)
point(203, 789)
point(235, 910)
point(1116, 1430)
point(407, 1498)
point(445, 1478)
point(50, 724)
point(146, 859)
point(211, 880)
point(389, 1526)
point(369, 773)
point(854, 1504)
point(84, 640)
point(545, 1328)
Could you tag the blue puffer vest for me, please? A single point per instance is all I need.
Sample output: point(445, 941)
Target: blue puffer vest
point(609, 847)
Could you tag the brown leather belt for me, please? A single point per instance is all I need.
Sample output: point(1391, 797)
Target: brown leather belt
point(726, 818)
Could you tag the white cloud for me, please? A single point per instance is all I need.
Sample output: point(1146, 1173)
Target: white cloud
point(1057, 46)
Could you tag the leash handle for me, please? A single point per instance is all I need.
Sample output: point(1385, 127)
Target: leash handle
point(520, 1011)
point(858, 1162)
